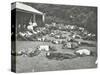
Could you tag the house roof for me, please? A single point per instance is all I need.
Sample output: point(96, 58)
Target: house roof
point(25, 7)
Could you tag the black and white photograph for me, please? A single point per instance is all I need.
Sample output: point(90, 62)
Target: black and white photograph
point(53, 37)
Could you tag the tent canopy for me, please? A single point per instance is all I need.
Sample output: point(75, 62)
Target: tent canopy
point(25, 7)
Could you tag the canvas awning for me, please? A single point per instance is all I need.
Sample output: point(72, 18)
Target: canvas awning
point(25, 7)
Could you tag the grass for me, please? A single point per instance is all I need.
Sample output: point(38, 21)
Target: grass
point(41, 63)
